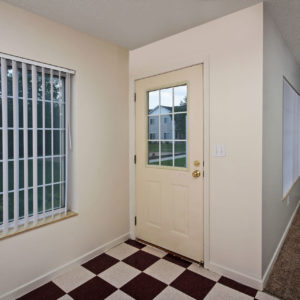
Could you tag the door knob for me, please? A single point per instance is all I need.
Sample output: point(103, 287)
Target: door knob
point(196, 174)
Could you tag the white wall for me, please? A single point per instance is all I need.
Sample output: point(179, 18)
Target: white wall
point(100, 146)
point(278, 62)
point(233, 48)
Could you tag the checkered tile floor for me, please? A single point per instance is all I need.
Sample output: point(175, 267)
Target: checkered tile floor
point(135, 271)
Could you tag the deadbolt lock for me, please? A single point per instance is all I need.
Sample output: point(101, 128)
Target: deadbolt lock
point(196, 163)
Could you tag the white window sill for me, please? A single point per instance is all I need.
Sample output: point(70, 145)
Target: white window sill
point(43, 222)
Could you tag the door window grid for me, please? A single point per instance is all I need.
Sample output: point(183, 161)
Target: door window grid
point(23, 130)
point(160, 143)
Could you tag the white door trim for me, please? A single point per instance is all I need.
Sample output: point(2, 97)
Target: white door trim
point(207, 157)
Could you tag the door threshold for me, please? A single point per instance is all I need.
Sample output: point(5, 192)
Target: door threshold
point(201, 263)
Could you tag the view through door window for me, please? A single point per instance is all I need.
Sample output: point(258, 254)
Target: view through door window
point(167, 127)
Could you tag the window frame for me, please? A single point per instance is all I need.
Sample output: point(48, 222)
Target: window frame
point(37, 69)
point(160, 115)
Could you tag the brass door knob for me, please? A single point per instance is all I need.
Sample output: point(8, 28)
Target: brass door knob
point(196, 174)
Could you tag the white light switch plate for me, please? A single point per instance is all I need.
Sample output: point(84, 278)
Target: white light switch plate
point(219, 150)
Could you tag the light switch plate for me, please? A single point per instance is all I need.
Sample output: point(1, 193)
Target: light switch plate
point(219, 150)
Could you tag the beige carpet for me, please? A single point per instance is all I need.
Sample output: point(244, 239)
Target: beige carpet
point(284, 281)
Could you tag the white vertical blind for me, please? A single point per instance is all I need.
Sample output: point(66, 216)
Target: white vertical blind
point(35, 100)
point(25, 140)
point(16, 142)
point(34, 142)
point(44, 146)
point(60, 134)
point(4, 144)
point(52, 145)
point(67, 135)
point(291, 141)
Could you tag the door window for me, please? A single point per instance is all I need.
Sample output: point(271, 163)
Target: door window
point(167, 127)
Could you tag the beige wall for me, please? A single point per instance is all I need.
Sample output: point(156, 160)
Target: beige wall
point(278, 62)
point(233, 49)
point(100, 145)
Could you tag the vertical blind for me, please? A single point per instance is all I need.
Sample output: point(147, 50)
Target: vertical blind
point(34, 128)
point(291, 137)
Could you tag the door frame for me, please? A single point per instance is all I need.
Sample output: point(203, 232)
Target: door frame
point(206, 149)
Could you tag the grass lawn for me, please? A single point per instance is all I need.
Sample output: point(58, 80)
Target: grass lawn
point(179, 162)
point(166, 147)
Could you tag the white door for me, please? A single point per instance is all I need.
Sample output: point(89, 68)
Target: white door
point(169, 164)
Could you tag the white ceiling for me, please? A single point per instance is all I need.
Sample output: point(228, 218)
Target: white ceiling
point(135, 23)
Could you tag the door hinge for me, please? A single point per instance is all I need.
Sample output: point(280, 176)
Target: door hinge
point(135, 221)
point(134, 97)
point(203, 173)
point(135, 159)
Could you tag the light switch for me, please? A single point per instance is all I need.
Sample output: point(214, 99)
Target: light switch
point(219, 150)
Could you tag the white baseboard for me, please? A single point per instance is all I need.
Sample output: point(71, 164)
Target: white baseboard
point(235, 275)
point(276, 253)
point(29, 286)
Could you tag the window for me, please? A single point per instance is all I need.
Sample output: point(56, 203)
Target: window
point(291, 137)
point(167, 142)
point(34, 118)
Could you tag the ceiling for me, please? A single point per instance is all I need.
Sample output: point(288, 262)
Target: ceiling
point(135, 23)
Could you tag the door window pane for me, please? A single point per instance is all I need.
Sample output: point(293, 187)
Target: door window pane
point(167, 153)
point(180, 98)
point(180, 126)
point(180, 154)
point(153, 128)
point(166, 127)
point(153, 153)
point(166, 101)
point(153, 102)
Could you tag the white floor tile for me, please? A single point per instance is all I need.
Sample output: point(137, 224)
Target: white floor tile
point(171, 293)
point(119, 295)
point(264, 296)
point(119, 274)
point(65, 297)
point(154, 251)
point(204, 272)
point(122, 251)
point(164, 271)
point(73, 278)
point(222, 292)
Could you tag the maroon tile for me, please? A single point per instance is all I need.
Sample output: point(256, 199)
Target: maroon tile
point(193, 284)
point(143, 287)
point(47, 291)
point(135, 244)
point(238, 286)
point(177, 260)
point(141, 260)
point(94, 289)
point(100, 263)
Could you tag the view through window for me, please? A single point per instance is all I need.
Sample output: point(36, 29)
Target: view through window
point(167, 126)
point(33, 130)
